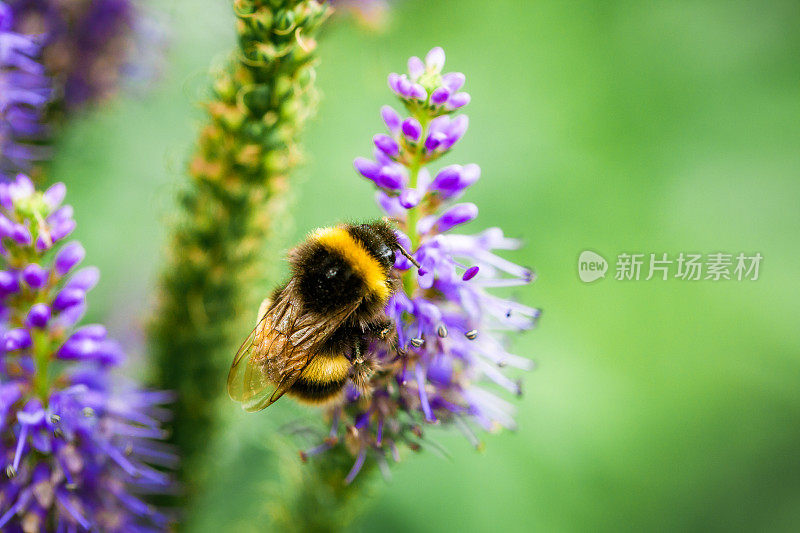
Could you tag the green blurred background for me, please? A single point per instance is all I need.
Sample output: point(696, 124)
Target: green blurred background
point(615, 126)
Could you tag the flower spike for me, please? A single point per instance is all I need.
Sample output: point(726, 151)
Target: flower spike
point(429, 370)
point(75, 451)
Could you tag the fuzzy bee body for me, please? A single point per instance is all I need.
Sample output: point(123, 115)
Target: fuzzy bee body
point(322, 380)
point(316, 325)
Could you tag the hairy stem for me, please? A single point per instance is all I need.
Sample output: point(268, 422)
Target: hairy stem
point(239, 176)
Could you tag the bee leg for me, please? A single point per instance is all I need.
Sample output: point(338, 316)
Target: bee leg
point(381, 328)
point(386, 331)
point(361, 373)
point(389, 332)
point(394, 343)
point(357, 359)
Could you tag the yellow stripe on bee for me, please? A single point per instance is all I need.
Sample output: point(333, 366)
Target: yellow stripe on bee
point(326, 368)
point(339, 240)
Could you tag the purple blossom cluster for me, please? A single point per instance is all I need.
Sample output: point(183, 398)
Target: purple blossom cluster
point(76, 453)
point(24, 93)
point(450, 328)
point(86, 43)
point(426, 86)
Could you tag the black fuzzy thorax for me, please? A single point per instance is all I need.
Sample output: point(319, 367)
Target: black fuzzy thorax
point(325, 280)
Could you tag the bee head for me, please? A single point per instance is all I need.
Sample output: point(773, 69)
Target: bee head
point(384, 242)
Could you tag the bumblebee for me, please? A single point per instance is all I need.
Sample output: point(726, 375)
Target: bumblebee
point(315, 327)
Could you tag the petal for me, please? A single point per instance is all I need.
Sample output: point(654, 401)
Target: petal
point(368, 169)
point(459, 100)
point(391, 118)
point(386, 144)
point(412, 129)
point(453, 81)
point(456, 215)
point(416, 67)
point(434, 60)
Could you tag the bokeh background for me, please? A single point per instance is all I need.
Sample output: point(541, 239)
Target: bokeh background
point(619, 126)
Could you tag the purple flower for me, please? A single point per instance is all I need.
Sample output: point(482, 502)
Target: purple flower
point(449, 325)
point(453, 180)
point(386, 144)
point(88, 45)
point(455, 216)
point(412, 129)
point(391, 119)
point(431, 132)
point(77, 453)
point(24, 93)
point(69, 256)
point(38, 315)
point(425, 85)
point(35, 276)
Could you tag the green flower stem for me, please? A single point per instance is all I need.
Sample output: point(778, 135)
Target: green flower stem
point(414, 213)
point(41, 355)
point(239, 176)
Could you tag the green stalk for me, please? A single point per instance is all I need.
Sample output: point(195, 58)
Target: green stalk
point(41, 356)
point(239, 176)
point(414, 213)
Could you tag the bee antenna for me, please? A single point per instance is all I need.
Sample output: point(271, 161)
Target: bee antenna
point(408, 256)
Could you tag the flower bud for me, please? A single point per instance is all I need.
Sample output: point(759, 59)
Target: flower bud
point(35, 276)
point(412, 129)
point(391, 118)
point(368, 169)
point(67, 298)
point(386, 144)
point(84, 279)
point(418, 92)
point(416, 67)
point(455, 130)
point(21, 235)
point(70, 255)
point(16, 339)
point(459, 100)
point(6, 227)
point(434, 140)
point(9, 282)
point(38, 316)
point(452, 180)
point(409, 198)
point(440, 96)
point(453, 81)
point(391, 177)
point(434, 60)
point(55, 195)
point(448, 179)
point(455, 216)
point(90, 331)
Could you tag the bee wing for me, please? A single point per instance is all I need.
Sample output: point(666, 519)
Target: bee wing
point(237, 375)
point(278, 349)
